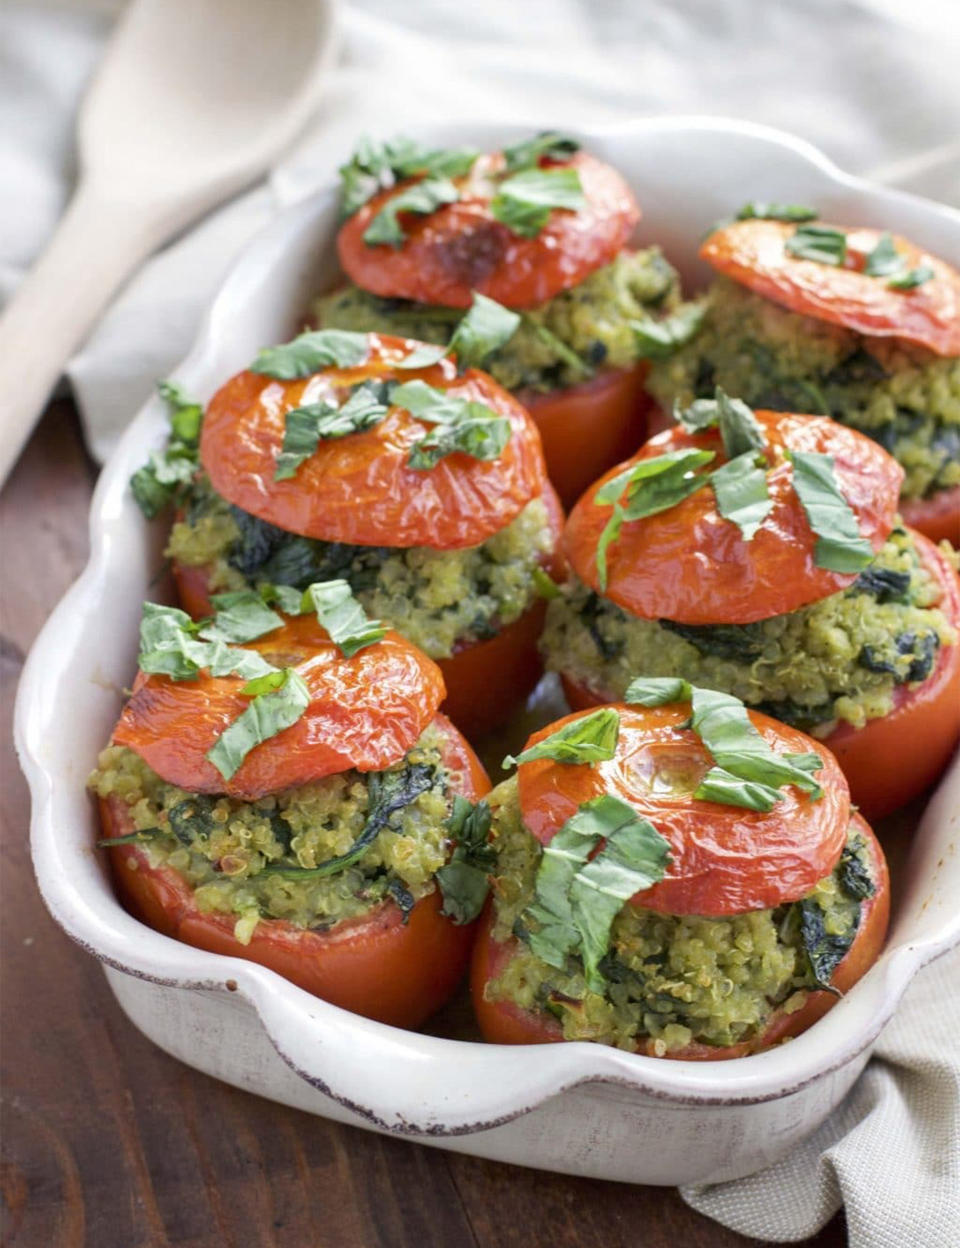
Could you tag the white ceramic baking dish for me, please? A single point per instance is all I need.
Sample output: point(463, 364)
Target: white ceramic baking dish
point(578, 1108)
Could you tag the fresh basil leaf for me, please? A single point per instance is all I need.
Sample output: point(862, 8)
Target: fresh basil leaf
point(484, 329)
point(544, 584)
point(421, 198)
point(720, 785)
point(482, 436)
point(305, 427)
point(651, 485)
point(549, 143)
point(349, 626)
point(464, 879)
point(912, 278)
point(740, 486)
point(310, 352)
point(634, 857)
point(378, 166)
point(524, 201)
point(169, 646)
point(589, 739)
point(428, 403)
point(279, 698)
point(162, 478)
point(840, 546)
point(555, 935)
point(240, 616)
point(761, 211)
point(387, 793)
point(659, 339)
point(883, 259)
point(739, 427)
point(820, 243)
point(658, 690)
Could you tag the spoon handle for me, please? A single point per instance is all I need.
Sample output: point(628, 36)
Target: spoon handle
point(99, 241)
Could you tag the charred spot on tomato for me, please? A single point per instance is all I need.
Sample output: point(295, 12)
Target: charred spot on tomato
point(470, 256)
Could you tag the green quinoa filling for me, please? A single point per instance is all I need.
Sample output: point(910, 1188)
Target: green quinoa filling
point(840, 658)
point(227, 850)
point(904, 397)
point(675, 979)
point(557, 344)
point(437, 599)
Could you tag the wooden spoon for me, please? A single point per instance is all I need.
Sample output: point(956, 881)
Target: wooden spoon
point(193, 101)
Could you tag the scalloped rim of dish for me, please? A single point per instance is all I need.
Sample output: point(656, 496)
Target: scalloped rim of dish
point(433, 1086)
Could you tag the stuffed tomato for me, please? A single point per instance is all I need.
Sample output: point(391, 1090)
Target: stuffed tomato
point(297, 802)
point(762, 555)
point(853, 323)
point(424, 488)
point(541, 227)
point(682, 879)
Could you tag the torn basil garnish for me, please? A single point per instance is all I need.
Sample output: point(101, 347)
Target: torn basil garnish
point(312, 351)
point(588, 739)
point(422, 198)
point(740, 488)
point(912, 278)
point(349, 626)
point(463, 425)
point(747, 772)
point(658, 339)
point(839, 545)
point(163, 479)
point(278, 699)
point(549, 144)
point(306, 427)
point(376, 167)
point(759, 210)
point(821, 243)
point(577, 897)
point(651, 485)
point(523, 201)
point(485, 328)
point(884, 259)
point(239, 616)
point(463, 880)
point(170, 645)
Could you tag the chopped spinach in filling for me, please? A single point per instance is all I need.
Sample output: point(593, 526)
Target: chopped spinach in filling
point(436, 598)
point(230, 852)
point(676, 979)
point(903, 396)
point(558, 343)
point(840, 658)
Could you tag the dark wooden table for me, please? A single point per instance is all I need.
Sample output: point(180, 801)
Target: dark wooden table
point(110, 1143)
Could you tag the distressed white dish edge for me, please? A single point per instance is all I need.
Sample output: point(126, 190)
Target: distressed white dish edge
point(575, 1107)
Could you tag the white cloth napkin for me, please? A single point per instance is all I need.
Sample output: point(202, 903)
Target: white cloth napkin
point(872, 82)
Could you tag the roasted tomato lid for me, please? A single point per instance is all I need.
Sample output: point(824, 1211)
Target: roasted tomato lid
point(914, 297)
point(365, 712)
point(361, 488)
point(691, 565)
point(724, 859)
point(462, 247)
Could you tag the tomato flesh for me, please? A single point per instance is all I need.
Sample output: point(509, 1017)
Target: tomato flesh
point(724, 859)
point(502, 1022)
point(690, 565)
point(365, 712)
point(376, 965)
point(754, 254)
point(462, 247)
point(937, 517)
point(360, 489)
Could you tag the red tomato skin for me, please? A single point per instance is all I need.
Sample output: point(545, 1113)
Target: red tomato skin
point(376, 965)
point(502, 1022)
point(690, 565)
point(365, 712)
point(462, 247)
point(893, 759)
point(754, 254)
point(359, 489)
point(589, 427)
point(937, 517)
point(724, 859)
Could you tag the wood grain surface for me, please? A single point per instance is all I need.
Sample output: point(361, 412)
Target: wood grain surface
point(108, 1142)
